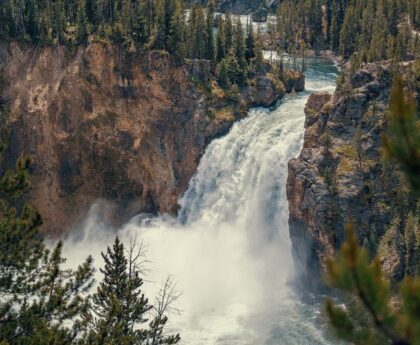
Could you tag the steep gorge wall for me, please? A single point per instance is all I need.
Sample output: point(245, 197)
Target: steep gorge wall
point(340, 177)
point(100, 125)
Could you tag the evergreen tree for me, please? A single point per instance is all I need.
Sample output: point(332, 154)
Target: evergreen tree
point(176, 43)
point(33, 14)
point(223, 74)
point(39, 300)
point(221, 44)
point(259, 57)
point(228, 33)
point(250, 43)
point(159, 36)
point(328, 20)
point(378, 41)
point(347, 33)
point(82, 22)
point(235, 72)
point(210, 55)
point(402, 140)
point(119, 304)
point(120, 307)
point(368, 317)
point(240, 47)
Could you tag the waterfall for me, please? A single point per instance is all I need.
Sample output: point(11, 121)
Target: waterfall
point(229, 249)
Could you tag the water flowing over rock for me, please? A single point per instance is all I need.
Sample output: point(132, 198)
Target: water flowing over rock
point(103, 124)
point(100, 125)
point(229, 247)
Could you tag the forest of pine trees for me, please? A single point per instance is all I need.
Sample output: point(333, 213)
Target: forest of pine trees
point(138, 25)
point(364, 30)
point(375, 30)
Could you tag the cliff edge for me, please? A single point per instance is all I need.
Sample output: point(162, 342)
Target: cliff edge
point(103, 124)
point(340, 177)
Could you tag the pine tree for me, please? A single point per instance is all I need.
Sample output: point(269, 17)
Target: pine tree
point(228, 33)
point(119, 304)
point(176, 43)
point(159, 34)
point(402, 140)
point(240, 46)
point(201, 38)
point(334, 33)
point(39, 300)
point(235, 72)
point(417, 14)
point(210, 54)
point(347, 33)
point(221, 44)
point(223, 74)
point(328, 20)
point(82, 22)
point(368, 317)
point(259, 57)
point(379, 34)
point(139, 24)
point(33, 14)
point(120, 307)
point(250, 43)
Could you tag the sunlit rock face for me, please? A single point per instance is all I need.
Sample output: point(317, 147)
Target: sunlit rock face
point(340, 176)
point(103, 124)
point(229, 247)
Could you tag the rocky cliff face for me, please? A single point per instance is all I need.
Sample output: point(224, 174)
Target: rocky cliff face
point(340, 177)
point(102, 125)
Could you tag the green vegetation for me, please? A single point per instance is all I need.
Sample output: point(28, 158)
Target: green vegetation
point(371, 315)
point(374, 30)
point(402, 142)
point(376, 311)
point(42, 302)
point(38, 297)
point(137, 26)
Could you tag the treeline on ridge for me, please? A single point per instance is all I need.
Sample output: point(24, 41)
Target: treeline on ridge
point(139, 25)
point(374, 29)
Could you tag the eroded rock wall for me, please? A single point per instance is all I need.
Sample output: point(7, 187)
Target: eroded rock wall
point(100, 125)
point(340, 177)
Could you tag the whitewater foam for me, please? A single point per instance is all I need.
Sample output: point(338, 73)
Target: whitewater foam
point(229, 249)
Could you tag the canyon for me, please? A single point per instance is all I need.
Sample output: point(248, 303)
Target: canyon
point(101, 124)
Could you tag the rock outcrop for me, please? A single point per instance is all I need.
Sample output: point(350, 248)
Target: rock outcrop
point(340, 177)
point(103, 125)
point(294, 81)
point(264, 90)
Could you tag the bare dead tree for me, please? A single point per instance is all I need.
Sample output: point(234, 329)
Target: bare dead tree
point(137, 258)
point(165, 304)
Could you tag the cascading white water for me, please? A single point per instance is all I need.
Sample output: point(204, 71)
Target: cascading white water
point(229, 248)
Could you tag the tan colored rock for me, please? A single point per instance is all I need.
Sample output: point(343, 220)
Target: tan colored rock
point(340, 176)
point(99, 125)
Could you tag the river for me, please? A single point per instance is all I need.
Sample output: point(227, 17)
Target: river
point(229, 250)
